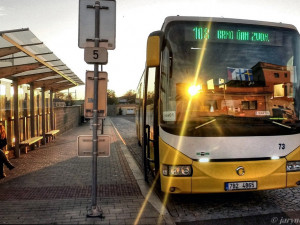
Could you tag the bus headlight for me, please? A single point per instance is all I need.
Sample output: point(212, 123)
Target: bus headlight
point(178, 171)
point(293, 166)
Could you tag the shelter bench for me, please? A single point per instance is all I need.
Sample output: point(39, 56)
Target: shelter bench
point(31, 141)
point(9, 153)
point(50, 134)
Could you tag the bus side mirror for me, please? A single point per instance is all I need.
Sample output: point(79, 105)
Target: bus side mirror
point(154, 45)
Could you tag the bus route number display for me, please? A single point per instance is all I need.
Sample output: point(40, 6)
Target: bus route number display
point(226, 34)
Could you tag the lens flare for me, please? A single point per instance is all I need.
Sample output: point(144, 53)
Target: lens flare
point(137, 219)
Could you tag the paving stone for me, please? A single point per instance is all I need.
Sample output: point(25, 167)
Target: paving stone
point(52, 185)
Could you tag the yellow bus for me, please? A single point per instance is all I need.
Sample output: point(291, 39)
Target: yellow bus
point(218, 105)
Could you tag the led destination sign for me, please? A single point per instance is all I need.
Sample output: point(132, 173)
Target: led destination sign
point(201, 33)
point(241, 34)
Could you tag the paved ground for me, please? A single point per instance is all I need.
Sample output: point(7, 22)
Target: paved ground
point(53, 185)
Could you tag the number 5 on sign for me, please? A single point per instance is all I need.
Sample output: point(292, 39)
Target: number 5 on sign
point(95, 55)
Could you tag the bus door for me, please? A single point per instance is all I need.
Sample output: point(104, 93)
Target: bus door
point(150, 123)
point(150, 146)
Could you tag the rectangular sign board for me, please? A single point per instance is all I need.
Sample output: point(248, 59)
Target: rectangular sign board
point(107, 24)
point(89, 95)
point(95, 55)
point(85, 145)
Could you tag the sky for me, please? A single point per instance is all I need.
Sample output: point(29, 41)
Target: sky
point(55, 23)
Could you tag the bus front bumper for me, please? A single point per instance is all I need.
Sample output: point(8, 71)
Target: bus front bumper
point(215, 177)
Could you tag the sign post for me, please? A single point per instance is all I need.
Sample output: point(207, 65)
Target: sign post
point(91, 24)
point(95, 211)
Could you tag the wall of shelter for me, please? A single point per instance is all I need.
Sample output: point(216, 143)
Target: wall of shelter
point(67, 117)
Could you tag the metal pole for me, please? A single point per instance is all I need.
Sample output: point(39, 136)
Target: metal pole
point(16, 118)
point(95, 211)
point(95, 108)
point(43, 117)
point(51, 111)
point(32, 118)
point(102, 120)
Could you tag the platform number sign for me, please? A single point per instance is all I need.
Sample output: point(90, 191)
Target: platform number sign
point(95, 55)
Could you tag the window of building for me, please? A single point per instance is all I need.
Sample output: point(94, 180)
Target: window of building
point(249, 105)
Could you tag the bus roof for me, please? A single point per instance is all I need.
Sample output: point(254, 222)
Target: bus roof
point(225, 20)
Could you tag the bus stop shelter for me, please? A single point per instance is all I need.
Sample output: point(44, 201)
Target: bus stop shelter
point(29, 76)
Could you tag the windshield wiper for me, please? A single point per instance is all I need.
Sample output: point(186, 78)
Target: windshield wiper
point(204, 124)
point(280, 124)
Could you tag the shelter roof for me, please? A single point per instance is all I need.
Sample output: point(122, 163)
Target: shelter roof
point(23, 57)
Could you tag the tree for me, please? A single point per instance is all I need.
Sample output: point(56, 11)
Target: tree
point(69, 100)
point(111, 97)
point(60, 95)
point(130, 96)
point(66, 97)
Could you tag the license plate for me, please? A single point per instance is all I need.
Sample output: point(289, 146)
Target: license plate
point(245, 185)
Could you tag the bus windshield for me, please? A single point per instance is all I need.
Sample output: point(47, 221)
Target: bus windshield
point(222, 79)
